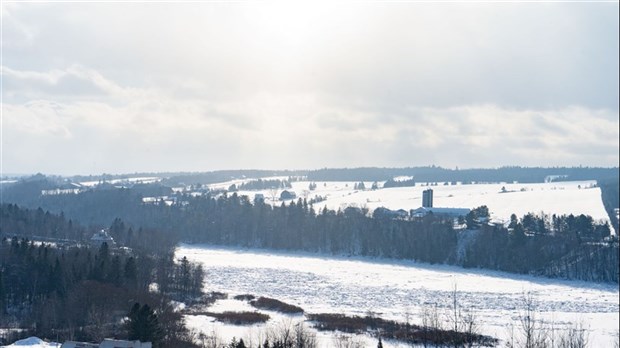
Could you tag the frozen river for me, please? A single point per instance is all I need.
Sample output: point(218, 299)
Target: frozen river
point(398, 290)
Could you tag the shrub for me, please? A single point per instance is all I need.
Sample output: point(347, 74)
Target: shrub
point(275, 305)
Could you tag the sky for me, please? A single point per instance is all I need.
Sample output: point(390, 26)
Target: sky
point(90, 88)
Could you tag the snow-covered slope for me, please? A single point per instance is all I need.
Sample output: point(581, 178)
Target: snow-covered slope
point(574, 197)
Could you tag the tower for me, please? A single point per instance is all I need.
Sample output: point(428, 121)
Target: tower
point(427, 198)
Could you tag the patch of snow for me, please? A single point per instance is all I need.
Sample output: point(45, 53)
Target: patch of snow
point(33, 342)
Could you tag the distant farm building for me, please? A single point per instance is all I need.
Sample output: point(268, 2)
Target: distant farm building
point(427, 198)
point(385, 213)
point(287, 195)
point(443, 212)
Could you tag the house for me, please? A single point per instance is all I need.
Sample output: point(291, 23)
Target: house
point(107, 343)
point(101, 237)
point(111, 343)
point(385, 213)
point(286, 195)
point(74, 344)
point(445, 212)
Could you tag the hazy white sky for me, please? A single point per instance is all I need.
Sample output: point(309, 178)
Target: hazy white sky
point(91, 88)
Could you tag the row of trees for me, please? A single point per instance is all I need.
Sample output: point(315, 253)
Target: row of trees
point(566, 246)
point(399, 183)
point(439, 174)
point(261, 184)
point(29, 223)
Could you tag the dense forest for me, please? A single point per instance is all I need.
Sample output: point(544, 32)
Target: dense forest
point(80, 292)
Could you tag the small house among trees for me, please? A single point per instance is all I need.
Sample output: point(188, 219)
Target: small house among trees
point(287, 195)
point(101, 237)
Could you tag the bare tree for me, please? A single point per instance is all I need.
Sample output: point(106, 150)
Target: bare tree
point(576, 336)
point(535, 335)
point(304, 338)
point(290, 334)
point(97, 317)
point(454, 316)
point(431, 323)
point(348, 341)
point(273, 193)
point(530, 331)
point(210, 340)
point(470, 327)
point(462, 321)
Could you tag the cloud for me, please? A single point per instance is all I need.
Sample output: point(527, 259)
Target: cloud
point(156, 132)
point(132, 87)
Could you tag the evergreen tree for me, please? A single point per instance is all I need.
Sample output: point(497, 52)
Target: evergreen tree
point(130, 271)
point(143, 324)
point(2, 294)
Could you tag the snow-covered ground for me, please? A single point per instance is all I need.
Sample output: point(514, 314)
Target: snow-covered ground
point(395, 289)
point(33, 342)
point(504, 199)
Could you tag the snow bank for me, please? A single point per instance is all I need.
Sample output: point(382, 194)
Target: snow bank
point(33, 342)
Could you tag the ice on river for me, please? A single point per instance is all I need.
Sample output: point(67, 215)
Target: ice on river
point(395, 289)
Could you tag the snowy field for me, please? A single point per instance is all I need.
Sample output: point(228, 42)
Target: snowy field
point(572, 197)
point(398, 290)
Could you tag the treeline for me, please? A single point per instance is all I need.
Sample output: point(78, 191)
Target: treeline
point(261, 184)
point(233, 220)
point(439, 174)
point(29, 223)
point(40, 225)
point(567, 246)
point(224, 175)
point(83, 293)
point(610, 194)
point(399, 183)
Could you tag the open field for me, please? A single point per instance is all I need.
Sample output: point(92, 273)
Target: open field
point(503, 199)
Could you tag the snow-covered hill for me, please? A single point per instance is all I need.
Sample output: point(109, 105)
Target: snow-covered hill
point(503, 199)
